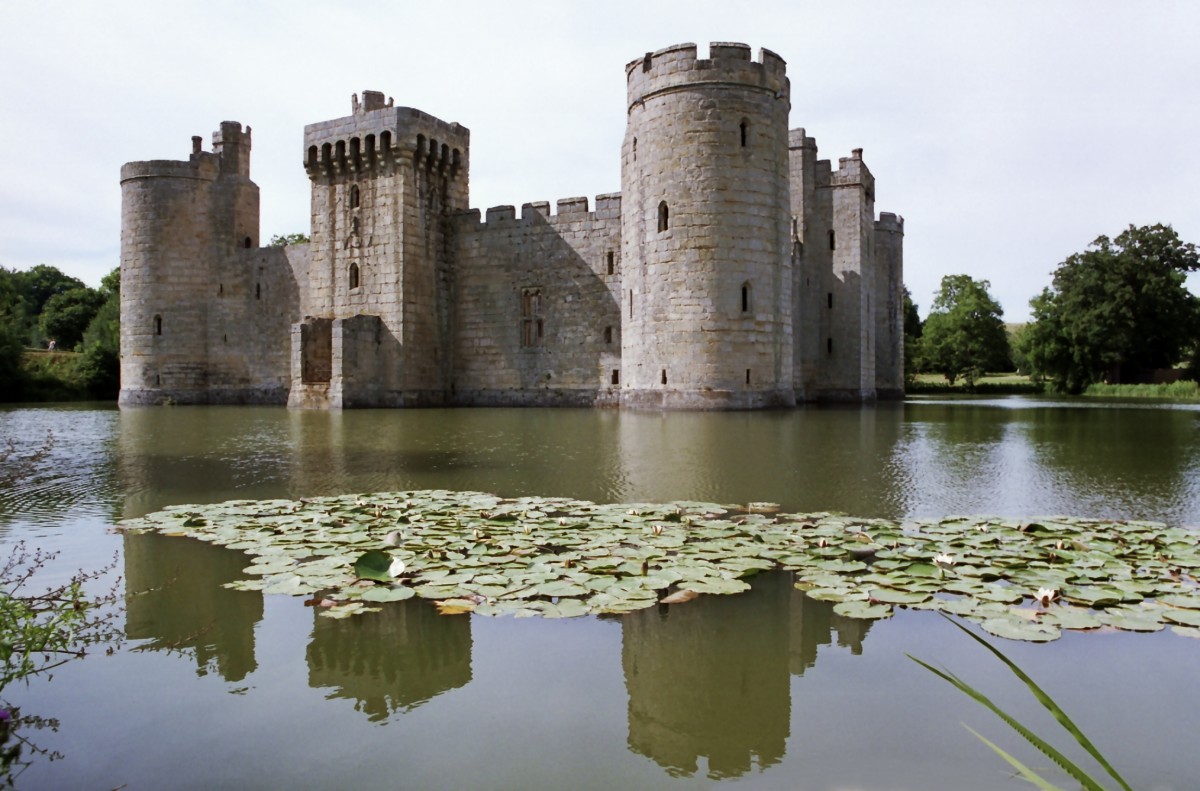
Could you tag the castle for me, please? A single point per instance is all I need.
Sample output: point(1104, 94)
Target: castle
point(734, 270)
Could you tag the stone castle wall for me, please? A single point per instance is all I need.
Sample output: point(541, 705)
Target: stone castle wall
point(734, 270)
point(536, 304)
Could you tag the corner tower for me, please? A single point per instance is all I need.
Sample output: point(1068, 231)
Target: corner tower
point(705, 243)
point(181, 223)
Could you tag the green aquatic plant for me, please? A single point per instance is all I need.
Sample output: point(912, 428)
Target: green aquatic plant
point(1085, 780)
point(558, 557)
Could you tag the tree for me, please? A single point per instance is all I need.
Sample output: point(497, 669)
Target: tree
point(99, 366)
point(288, 238)
point(1116, 310)
point(67, 314)
point(913, 328)
point(964, 334)
point(12, 334)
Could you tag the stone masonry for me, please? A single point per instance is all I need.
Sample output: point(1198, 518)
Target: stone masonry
point(734, 270)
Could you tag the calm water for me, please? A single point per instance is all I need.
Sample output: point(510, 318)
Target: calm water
point(217, 688)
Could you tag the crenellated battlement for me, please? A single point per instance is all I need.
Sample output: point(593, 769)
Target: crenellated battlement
point(678, 68)
point(892, 223)
point(230, 155)
point(568, 210)
point(798, 138)
point(377, 136)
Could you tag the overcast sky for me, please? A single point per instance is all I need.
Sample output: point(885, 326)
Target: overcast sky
point(1008, 134)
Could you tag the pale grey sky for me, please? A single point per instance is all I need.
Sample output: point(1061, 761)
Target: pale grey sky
point(1008, 134)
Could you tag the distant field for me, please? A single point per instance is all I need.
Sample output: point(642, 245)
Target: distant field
point(1176, 391)
point(999, 384)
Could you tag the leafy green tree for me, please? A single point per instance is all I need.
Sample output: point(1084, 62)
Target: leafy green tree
point(99, 366)
point(1119, 308)
point(964, 334)
point(67, 314)
point(913, 328)
point(40, 283)
point(12, 334)
point(284, 240)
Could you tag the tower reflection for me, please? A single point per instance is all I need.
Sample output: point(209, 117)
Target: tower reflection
point(179, 604)
point(390, 661)
point(712, 678)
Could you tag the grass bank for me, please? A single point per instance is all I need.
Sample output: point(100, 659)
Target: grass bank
point(47, 376)
point(1175, 391)
point(992, 384)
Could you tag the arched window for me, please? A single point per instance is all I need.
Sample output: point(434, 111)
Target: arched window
point(246, 243)
point(158, 325)
point(664, 216)
point(746, 297)
point(353, 276)
point(354, 196)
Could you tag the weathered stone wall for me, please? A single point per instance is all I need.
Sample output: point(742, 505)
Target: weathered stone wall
point(889, 306)
point(735, 270)
point(384, 182)
point(205, 312)
point(166, 254)
point(537, 317)
point(705, 233)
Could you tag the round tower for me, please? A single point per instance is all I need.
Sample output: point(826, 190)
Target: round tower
point(705, 239)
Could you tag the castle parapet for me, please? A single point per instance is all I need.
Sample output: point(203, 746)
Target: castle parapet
point(678, 66)
point(889, 222)
point(377, 135)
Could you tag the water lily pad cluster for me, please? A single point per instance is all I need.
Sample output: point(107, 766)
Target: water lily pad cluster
point(556, 557)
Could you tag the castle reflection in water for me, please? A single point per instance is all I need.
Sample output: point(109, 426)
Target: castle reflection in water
point(710, 679)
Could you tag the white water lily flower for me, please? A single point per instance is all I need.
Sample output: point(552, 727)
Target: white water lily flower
point(394, 538)
point(944, 560)
point(1046, 595)
point(397, 568)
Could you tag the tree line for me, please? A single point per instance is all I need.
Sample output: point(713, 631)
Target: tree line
point(1116, 313)
point(43, 308)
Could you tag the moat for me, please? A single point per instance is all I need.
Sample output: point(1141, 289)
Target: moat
point(217, 688)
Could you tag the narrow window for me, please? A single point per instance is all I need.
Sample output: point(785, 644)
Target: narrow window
point(258, 290)
point(224, 338)
point(354, 226)
point(532, 327)
point(635, 149)
point(158, 325)
point(611, 262)
point(747, 376)
point(608, 334)
point(829, 345)
point(745, 130)
point(246, 243)
point(664, 376)
point(829, 299)
point(664, 216)
point(745, 297)
point(631, 303)
point(354, 196)
point(221, 290)
point(353, 276)
point(831, 241)
point(616, 377)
